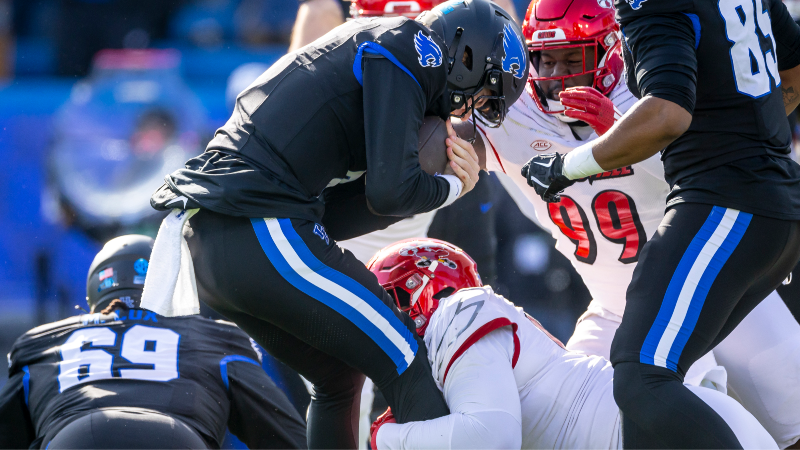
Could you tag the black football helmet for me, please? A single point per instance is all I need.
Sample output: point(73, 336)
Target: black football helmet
point(118, 272)
point(485, 49)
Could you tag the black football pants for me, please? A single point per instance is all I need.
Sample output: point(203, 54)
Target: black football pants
point(319, 310)
point(131, 428)
point(704, 270)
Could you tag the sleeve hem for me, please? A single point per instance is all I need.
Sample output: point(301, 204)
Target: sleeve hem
point(455, 189)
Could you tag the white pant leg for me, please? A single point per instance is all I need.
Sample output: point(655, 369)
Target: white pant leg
point(747, 429)
point(762, 356)
point(594, 332)
point(596, 328)
point(367, 397)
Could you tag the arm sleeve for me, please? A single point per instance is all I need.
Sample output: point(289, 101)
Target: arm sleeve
point(787, 36)
point(661, 58)
point(16, 428)
point(482, 395)
point(394, 105)
point(261, 416)
point(347, 214)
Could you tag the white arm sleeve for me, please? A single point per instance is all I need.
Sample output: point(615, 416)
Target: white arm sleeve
point(484, 402)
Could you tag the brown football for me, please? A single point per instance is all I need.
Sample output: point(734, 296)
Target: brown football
point(432, 145)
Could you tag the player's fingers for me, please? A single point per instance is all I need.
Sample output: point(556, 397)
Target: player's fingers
point(584, 91)
point(462, 148)
point(465, 170)
point(450, 130)
point(574, 101)
point(586, 96)
point(580, 115)
point(583, 102)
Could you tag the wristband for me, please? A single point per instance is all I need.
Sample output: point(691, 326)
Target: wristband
point(456, 186)
point(580, 163)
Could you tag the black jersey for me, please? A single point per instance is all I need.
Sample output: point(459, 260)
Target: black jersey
point(352, 101)
point(720, 60)
point(202, 372)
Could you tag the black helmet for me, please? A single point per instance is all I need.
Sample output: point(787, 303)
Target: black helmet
point(484, 50)
point(118, 271)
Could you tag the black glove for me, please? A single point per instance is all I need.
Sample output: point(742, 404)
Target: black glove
point(545, 173)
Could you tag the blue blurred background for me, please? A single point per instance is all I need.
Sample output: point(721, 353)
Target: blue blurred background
point(99, 99)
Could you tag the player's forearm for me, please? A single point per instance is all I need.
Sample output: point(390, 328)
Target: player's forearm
point(649, 126)
point(314, 19)
point(790, 87)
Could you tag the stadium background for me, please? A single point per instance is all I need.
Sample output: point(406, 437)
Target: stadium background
point(85, 137)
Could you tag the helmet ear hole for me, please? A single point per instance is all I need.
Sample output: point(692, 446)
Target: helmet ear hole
point(466, 59)
point(403, 298)
point(446, 292)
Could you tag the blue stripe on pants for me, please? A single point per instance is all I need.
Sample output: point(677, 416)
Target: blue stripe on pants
point(664, 344)
point(401, 357)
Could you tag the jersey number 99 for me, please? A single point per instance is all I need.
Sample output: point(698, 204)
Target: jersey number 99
point(84, 358)
point(617, 221)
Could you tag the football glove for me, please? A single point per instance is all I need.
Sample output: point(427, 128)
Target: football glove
point(386, 417)
point(587, 104)
point(545, 174)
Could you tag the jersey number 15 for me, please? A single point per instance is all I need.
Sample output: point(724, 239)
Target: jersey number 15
point(88, 355)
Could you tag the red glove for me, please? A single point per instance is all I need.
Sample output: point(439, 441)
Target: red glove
point(386, 417)
point(587, 104)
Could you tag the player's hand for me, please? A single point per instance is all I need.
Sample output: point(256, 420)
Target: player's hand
point(463, 160)
point(386, 417)
point(546, 175)
point(587, 104)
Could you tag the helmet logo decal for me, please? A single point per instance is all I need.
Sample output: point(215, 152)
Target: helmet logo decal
point(430, 55)
point(604, 3)
point(514, 60)
point(635, 4)
point(140, 266)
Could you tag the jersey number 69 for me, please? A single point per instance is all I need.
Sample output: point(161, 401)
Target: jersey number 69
point(88, 355)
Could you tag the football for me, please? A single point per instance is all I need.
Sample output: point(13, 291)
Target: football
point(432, 146)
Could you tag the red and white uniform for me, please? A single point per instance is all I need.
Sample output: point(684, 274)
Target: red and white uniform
point(602, 235)
point(601, 225)
point(509, 384)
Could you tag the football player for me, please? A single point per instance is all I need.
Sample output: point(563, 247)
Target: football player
point(716, 80)
point(507, 381)
point(323, 147)
point(122, 377)
point(602, 222)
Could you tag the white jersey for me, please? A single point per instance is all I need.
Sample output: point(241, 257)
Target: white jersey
point(567, 399)
point(601, 223)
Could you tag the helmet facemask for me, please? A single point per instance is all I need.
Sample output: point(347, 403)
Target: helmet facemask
point(594, 55)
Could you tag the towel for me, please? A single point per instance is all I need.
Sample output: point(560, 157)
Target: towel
point(170, 288)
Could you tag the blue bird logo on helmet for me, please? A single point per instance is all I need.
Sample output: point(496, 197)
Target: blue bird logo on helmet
point(430, 55)
point(636, 4)
point(514, 61)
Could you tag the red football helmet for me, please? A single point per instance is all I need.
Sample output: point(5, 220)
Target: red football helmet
point(562, 24)
point(388, 8)
point(418, 272)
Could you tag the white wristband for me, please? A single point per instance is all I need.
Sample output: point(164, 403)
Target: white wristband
point(580, 163)
point(456, 186)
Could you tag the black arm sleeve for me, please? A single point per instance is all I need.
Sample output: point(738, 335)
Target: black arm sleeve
point(261, 416)
point(394, 105)
point(16, 428)
point(787, 36)
point(661, 51)
point(347, 214)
